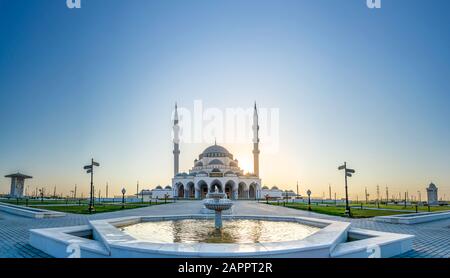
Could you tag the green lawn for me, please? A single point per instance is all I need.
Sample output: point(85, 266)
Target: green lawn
point(44, 202)
point(338, 210)
point(99, 208)
point(402, 207)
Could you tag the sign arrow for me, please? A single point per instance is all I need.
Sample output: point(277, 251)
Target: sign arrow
point(350, 171)
point(341, 167)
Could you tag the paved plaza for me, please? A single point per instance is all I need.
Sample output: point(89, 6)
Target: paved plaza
point(432, 239)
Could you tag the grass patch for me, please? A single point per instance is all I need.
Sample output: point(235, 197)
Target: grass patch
point(338, 210)
point(408, 207)
point(99, 208)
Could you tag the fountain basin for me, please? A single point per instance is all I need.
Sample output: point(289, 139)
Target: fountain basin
point(204, 231)
point(109, 240)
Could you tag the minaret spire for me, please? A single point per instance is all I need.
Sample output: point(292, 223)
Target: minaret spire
point(255, 142)
point(176, 142)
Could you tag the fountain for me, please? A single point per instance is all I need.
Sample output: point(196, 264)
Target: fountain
point(194, 236)
point(218, 202)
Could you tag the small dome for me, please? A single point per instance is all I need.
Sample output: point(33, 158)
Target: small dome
point(168, 187)
point(274, 188)
point(198, 164)
point(159, 187)
point(215, 170)
point(265, 188)
point(215, 162)
point(233, 164)
point(432, 186)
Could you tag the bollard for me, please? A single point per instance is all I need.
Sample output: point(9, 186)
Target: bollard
point(417, 209)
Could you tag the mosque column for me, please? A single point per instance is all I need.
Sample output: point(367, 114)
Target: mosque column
point(186, 193)
point(255, 142)
point(176, 144)
point(247, 194)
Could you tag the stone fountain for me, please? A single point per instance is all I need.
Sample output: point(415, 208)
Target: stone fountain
point(218, 202)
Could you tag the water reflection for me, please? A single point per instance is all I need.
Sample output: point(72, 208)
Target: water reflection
point(234, 231)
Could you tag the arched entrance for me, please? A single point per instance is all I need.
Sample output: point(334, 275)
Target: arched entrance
point(203, 188)
point(190, 190)
point(252, 191)
point(180, 190)
point(241, 190)
point(216, 184)
point(229, 189)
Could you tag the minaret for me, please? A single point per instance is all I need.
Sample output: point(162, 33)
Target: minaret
point(255, 142)
point(176, 143)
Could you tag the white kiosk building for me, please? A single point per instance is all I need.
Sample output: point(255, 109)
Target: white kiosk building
point(432, 194)
point(216, 168)
point(17, 184)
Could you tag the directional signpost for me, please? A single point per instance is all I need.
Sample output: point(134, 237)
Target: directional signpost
point(348, 173)
point(90, 170)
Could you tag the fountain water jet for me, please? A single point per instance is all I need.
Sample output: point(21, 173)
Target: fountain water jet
point(218, 202)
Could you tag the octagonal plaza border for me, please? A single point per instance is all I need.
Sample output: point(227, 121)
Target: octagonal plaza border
point(109, 241)
point(413, 218)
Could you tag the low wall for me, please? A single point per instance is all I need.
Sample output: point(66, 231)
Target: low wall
point(411, 219)
point(30, 212)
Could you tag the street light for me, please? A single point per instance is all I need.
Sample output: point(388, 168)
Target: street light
point(123, 197)
point(309, 199)
point(90, 170)
point(348, 173)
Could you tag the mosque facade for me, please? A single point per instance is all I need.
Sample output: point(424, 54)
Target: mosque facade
point(216, 169)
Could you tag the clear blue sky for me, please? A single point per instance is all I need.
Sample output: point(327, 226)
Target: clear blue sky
point(371, 87)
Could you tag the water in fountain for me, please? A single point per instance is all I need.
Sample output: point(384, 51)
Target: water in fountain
point(218, 202)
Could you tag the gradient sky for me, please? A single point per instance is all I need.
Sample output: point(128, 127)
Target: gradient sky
point(370, 87)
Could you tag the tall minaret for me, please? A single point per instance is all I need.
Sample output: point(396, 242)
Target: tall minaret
point(176, 143)
point(255, 142)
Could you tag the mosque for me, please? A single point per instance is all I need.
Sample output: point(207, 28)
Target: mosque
point(216, 169)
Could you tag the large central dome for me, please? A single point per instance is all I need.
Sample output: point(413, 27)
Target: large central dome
point(215, 151)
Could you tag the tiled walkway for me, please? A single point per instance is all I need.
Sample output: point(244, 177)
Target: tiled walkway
point(432, 239)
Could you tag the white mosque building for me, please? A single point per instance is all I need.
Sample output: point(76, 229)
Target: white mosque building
point(216, 169)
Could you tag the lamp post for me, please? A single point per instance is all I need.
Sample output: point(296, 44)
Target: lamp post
point(309, 199)
point(41, 193)
point(123, 197)
point(348, 173)
point(90, 170)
